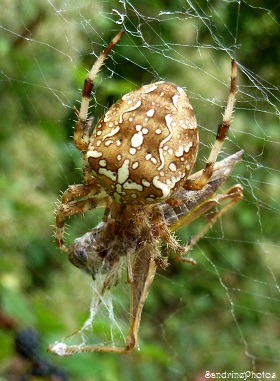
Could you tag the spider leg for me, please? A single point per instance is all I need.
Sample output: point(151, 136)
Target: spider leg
point(68, 207)
point(220, 137)
point(80, 140)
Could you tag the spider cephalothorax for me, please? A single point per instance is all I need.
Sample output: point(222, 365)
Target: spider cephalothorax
point(136, 164)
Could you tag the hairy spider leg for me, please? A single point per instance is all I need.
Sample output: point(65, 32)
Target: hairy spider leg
point(220, 137)
point(81, 133)
point(81, 139)
point(68, 207)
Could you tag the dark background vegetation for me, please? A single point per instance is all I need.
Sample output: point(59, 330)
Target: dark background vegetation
point(220, 315)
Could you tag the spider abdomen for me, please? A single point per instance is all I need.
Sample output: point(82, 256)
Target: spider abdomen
point(145, 145)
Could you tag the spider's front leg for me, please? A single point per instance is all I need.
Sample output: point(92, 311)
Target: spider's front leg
point(83, 127)
point(91, 198)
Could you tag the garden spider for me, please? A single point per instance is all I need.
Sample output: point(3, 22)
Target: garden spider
point(136, 165)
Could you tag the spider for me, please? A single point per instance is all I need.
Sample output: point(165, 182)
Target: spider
point(136, 165)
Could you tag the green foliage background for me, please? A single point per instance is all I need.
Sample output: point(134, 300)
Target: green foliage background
point(221, 315)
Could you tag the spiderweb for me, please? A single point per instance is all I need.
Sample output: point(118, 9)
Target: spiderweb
point(221, 315)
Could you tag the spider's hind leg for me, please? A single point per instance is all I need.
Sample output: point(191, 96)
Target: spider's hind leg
point(220, 137)
point(80, 134)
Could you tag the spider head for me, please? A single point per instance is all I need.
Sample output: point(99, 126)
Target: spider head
point(145, 145)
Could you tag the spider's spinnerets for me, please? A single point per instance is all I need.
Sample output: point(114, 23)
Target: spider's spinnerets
point(145, 145)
